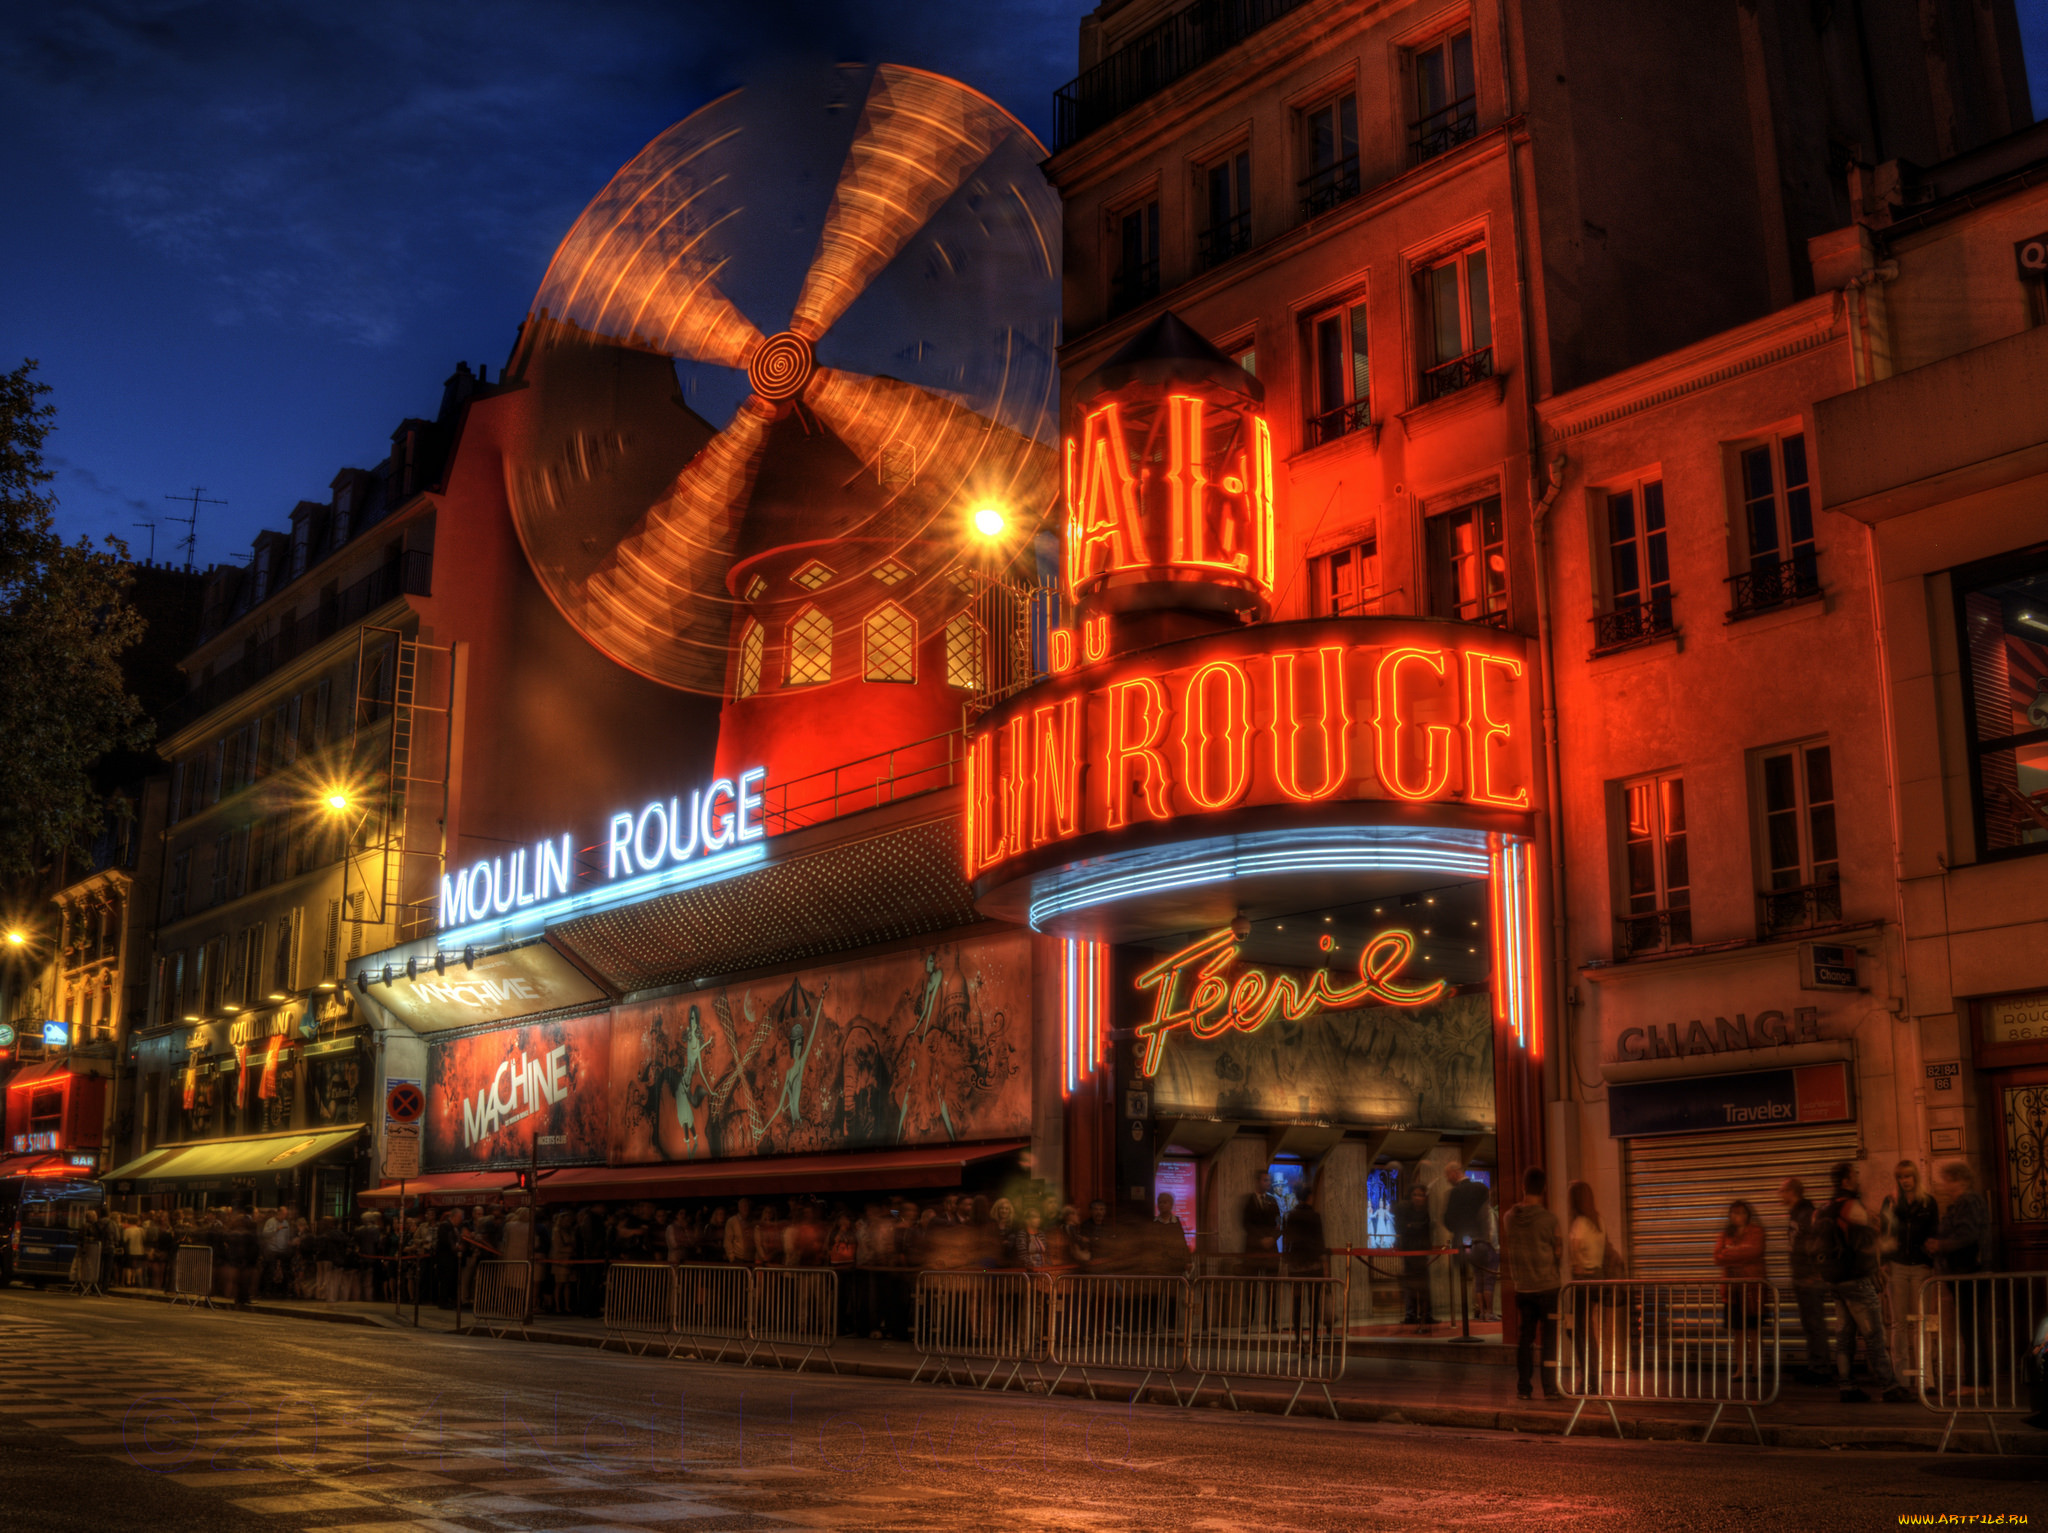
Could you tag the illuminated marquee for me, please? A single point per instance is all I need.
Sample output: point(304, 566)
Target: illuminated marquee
point(662, 835)
point(1170, 488)
point(1427, 713)
point(1195, 989)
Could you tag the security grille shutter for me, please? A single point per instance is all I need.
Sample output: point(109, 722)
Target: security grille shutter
point(1680, 1186)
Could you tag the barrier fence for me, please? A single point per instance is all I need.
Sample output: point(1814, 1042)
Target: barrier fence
point(796, 1307)
point(1138, 1324)
point(640, 1305)
point(500, 1295)
point(692, 1305)
point(192, 1276)
point(1975, 1342)
point(1652, 1343)
point(999, 1317)
point(85, 1270)
point(715, 1303)
point(1277, 1328)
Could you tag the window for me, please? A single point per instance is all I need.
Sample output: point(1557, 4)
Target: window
point(966, 653)
point(1248, 359)
point(1638, 568)
point(180, 886)
point(284, 958)
point(1228, 232)
point(1446, 100)
point(1656, 881)
point(1136, 278)
point(249, 965)
point(212, 967)
point(889, 645)
point(1341, 388)
point(222, 845)
point(1346, 581)
point(1468, 567)
point(1800, 860)
point(1457, 324)
point(810, 648)
point(753, 651)
point(1330, 150)
point(2003, 609)
point(323, 695)
point(1776, 529)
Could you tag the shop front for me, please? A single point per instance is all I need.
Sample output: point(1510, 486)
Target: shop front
point(2011, 1054)
point(54, 1117)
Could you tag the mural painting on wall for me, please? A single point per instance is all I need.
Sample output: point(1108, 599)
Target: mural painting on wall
point(926, 1046)
point(1430, 1066)
point(537, 1090)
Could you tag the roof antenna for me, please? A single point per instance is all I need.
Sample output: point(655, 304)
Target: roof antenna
point(152, 538)
point(190, 540)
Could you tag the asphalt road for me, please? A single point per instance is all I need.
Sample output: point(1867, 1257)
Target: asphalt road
point(117, 1414)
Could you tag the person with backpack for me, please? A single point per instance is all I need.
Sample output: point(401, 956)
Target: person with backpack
point(1846, 1240)
point(1958, 1246)
point(1809, 1292)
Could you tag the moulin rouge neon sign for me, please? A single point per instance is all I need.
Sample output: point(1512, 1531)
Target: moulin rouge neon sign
point(1217, 1003)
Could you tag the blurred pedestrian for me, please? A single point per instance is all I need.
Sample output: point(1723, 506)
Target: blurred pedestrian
point(1907, 1219)
point(1533, 1248)
point(1739, 1253)
point(1849, 1262)
point(1809, 1290)
point(1414, 1233)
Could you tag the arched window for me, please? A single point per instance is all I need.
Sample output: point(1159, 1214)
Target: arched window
point(810, 648)
point(753, 649)
point(966, 653)
point(889, 645)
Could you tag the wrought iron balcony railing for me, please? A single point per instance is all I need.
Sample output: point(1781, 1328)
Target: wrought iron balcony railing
point(1322, 190)
point(1652, 931)
point(1132, 286)
point(1219, 242)
point(1458, 373)
point(1799, 908)
point(1342, 421)
point(1442, 131)
point(1633, 623)
point(1764, 586)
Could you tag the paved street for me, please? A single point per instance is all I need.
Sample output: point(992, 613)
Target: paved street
point(124, 1413)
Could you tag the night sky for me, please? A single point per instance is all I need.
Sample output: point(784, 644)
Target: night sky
point(244, 239)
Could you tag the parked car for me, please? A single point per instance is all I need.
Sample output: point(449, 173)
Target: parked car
point(44, 1217)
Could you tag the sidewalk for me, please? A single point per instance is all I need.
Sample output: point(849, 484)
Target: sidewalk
point(1464, 1388)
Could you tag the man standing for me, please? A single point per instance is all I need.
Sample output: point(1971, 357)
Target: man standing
point(1808, 1289)
point(1533, 1248)
point(1908, 1219)
point(1958, 1245)
point(1466, 1223)
point(1848, 1239)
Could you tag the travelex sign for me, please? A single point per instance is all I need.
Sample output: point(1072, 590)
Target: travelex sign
point(662, 836)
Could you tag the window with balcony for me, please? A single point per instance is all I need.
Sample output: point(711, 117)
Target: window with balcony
point(1638, 595)
point(1778, 564)
point(1655, 897)
point(1330, 155)
point(1468, 566)
point(1136, 277)
point(810, 648)
point(1345, 582)
point(2003, 609)
point(1446, 98)
point(1456, 308)
point(889, 645)
point(1795, 795)
point(1340, 388)
point(1228, 231)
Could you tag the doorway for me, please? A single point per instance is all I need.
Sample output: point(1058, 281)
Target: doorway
point(2019, 1117)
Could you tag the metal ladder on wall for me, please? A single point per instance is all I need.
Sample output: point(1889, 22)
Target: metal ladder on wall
point(410, 849)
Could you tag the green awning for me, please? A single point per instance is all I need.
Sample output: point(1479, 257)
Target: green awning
point(214, 1160)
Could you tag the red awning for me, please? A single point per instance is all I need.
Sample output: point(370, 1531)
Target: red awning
point(858, 1171)
point(453, 1187)
point(38, 1164)
point(46, 1073)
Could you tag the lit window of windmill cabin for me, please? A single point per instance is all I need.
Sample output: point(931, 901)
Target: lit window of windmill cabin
point(810, 648)
point(964, 653)
point(889, 639)
point(753, 650)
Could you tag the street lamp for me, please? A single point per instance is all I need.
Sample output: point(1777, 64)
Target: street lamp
point(989, 522)
point(16, 937)
point(336, 800)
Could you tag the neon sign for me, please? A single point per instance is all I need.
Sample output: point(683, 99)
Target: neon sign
point(1427, 714)
point(1217, 1002)
point(662, 835)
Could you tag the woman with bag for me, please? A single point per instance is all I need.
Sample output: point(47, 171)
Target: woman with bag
point(1586, 1245)
point(1739, 1253)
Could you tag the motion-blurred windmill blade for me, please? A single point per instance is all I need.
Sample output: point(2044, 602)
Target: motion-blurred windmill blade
point(949, 449)
point(639, 268)
point(919, 138)
point(657, 602)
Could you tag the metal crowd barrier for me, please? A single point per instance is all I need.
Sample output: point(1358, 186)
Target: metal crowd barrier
point(1138, 1324)
point(1267, 1328)
point(999, 1317)
point(192, 1276)
point(1973, 1347)
point(640, 1305)
point(796, 1307)
point(714, 1302)
point(500, 1295)
point(1669, 1344)
point(85, 1270)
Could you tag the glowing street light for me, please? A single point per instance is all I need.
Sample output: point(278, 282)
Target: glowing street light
point(337, 800)
point(989, 522)
point(16, 937)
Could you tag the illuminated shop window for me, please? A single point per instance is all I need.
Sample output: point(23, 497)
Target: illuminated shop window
point(1468, 566)
point(966, 653)
point(1795, 798)
point(889, 572)
point(810, 648)
point(753, 649)
point(812, 576)
point(1456, 306)
point(1656, 892)
point(2003, 609)
point(889, 645)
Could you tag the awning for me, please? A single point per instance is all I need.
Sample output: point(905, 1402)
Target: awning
point(451, 1187)
point(195, 1166)
point(42, 1163)
point(48, 1073)
point(858, 1171)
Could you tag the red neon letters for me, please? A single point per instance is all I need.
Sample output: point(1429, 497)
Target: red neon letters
point(1105, 532)
point(1485, 731)
point(1215, 735)
point(1394, 718)
point(1332, 731)
point(1217, 1004)
point(1137, 723)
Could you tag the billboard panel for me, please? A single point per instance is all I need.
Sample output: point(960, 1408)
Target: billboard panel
point(492, 1095)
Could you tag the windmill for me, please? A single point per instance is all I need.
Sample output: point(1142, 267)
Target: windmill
point(911, 381)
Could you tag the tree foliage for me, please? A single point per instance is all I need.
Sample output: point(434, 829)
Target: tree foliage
point(65, 622)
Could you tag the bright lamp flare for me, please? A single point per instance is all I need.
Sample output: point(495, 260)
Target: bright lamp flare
point(337, 801)
point(989, 522)
point(17, 937)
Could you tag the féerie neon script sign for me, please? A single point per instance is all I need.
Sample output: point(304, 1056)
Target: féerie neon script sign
point(1217, 1003)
